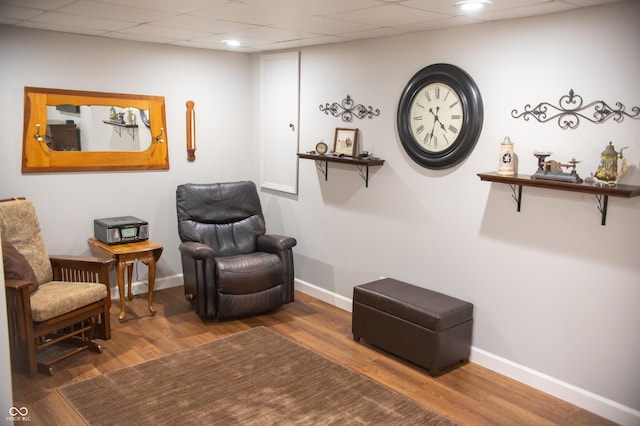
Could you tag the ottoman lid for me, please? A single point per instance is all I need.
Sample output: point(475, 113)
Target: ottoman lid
point(430, 309)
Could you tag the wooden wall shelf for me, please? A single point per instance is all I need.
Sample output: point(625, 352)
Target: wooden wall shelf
point(119, 126)
point(601, 193)
point(361, 163)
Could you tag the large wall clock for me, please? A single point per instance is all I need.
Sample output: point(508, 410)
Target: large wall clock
point(440, 116)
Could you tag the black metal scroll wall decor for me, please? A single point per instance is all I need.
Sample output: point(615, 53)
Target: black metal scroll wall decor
point(348, 110)
point(570, 110)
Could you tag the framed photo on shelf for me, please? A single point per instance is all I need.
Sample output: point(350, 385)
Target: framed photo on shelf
point(346, 142)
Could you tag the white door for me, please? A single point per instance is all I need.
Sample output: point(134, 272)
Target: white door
point(279, 110)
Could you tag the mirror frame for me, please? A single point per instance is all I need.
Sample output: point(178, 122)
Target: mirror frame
point(38, 158)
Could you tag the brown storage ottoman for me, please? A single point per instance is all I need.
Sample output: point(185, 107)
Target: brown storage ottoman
point(425, 327)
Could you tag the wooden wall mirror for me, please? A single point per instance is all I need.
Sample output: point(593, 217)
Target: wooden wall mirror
point(73, 131)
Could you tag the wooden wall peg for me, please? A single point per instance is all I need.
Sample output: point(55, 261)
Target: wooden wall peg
point(191, 132)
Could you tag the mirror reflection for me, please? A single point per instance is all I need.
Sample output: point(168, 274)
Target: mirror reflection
point(81, 131)
point(97, 128)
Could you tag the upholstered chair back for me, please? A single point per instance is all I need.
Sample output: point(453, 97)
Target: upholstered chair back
point(20, 227)
point(224, 216)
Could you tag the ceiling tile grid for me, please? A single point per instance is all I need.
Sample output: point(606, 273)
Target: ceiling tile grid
point(261, 25)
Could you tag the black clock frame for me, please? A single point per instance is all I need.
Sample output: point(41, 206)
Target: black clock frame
point(471, 100)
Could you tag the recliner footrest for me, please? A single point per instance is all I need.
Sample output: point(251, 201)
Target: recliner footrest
point(241, 305)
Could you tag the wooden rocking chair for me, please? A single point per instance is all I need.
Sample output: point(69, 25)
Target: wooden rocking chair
point(50, 300)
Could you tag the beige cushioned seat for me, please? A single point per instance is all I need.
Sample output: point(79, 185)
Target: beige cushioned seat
point(56, 298)
point(70, 303)
point(53, 298)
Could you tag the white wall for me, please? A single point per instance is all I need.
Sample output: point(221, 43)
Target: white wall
point(67, 203)
point(218, 83)
point(555, 292)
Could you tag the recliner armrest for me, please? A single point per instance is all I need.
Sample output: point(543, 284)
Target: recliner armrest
point(281, 246)
point(272, 243)
point(197, 250)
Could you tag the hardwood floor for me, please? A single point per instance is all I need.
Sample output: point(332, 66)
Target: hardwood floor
point(469, 395)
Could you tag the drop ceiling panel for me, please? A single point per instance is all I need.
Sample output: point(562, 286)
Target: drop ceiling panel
point(261, 25)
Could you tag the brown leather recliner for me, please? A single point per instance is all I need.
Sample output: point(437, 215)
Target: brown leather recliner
point(231, 267)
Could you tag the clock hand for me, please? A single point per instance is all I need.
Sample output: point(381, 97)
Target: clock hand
point(437, 119)
point(434, 124)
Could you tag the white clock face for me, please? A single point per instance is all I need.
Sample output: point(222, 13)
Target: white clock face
point(436, 116)
point(321, 148)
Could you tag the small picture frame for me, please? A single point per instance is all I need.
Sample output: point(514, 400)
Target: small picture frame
point(346, 142)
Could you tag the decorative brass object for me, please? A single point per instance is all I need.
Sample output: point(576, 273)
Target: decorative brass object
point(608, 172)
point(552, 170)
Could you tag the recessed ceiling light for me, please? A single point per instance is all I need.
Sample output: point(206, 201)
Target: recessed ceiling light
point(472, 4)
point(231, 43)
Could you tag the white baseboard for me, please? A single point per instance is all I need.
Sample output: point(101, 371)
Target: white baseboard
point(585, 399)
point(140, 287)
point(330, 297)
point(590, 401)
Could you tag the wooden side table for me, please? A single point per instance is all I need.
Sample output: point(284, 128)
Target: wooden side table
point(125, 255)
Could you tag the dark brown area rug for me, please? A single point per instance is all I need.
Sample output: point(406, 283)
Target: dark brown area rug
point(253, 377)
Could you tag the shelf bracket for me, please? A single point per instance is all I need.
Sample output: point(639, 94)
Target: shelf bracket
point(364, 174)
point(601, 193)
point(322, 164)
point(516, 195)
point(363, 171)
point(130, 131)
point(324, 170)
point(603, 201)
